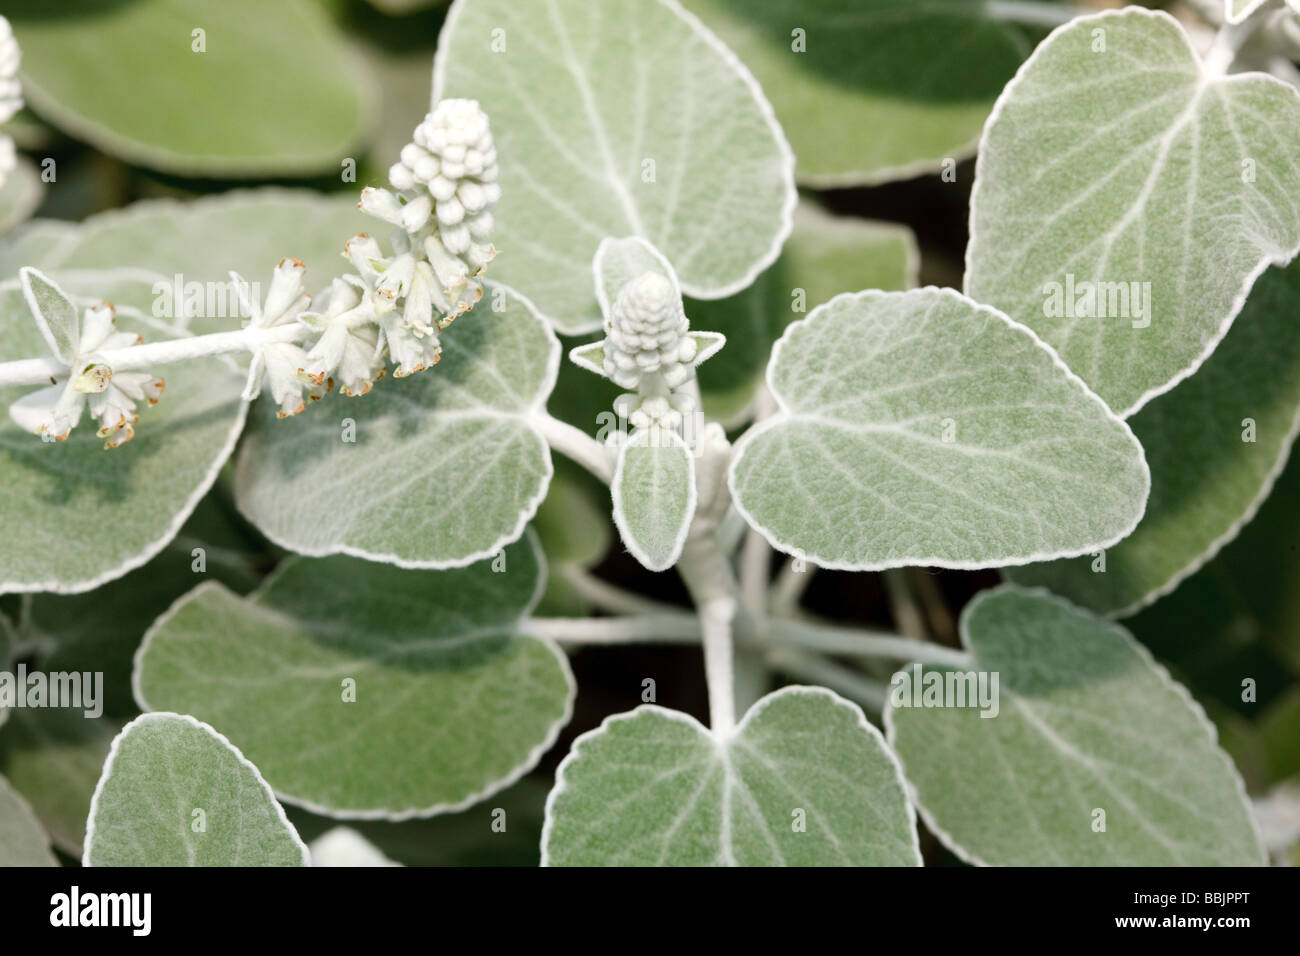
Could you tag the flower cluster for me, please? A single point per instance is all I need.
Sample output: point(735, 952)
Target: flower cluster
point(395, 305)
point(392, 309)
point(444, 189)
point(649, 347)
point(11, 94)
point(91, 383)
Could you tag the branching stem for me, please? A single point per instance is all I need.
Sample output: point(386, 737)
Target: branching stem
point(41, 371)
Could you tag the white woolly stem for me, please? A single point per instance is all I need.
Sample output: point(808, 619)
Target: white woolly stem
point(574, 443)
point(42, 371)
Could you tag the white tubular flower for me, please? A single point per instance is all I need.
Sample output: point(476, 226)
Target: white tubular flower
point(445, 188)
point(111, 397)
point(412, 334)
point(280, 365)
point(645, 334)
point(348, 348)
point(11, 94)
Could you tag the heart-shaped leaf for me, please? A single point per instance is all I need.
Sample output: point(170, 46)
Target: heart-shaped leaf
point(616, 118)
point(174, 792)
point(435, 470)
point(1126, 200)
point(803, 781)
point(1090, 755)
point(363, 690)
point(919, 428)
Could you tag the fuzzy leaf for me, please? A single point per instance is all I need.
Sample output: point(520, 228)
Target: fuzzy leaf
point(363, 690)
point(616, 118)
point(919, 428)
point(804, 781)
point(435, 470)
point(1085, 722)
point(654, 496)
point(1130, 167)
point(165, 773)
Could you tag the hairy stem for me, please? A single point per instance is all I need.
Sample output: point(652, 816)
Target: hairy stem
point(707, 574)
point(574, 443)
point(609, 597)
point(43, 371)
point(808, 666)
point(832, 639)
point(657, 628)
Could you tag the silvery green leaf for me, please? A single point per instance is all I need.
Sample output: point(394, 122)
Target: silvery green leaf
point(434, 470)
point(654, 496)
point(174, 792)
point(1115, 165)
point(367, 691)
point(273, 91)
point(1216, 444)
point(616, 118)
point(19, 195)
point(1095, 757)
point(824, 256)
point(920, 428)
point(803, 781)
point(202, 241)
point(874, 90)
point(54, 314)
point(87, 515)
point(22, 840)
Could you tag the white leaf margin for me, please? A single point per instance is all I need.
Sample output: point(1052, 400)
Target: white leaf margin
point(783, 416)
point(642, 439)
point(1212, 550)
point(529, 417)
point(531, 759)
point(790, 690)
point(1249, 283)
point(154, 717)
point(768, 114)
point(151, 550)
point(1162, 674)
